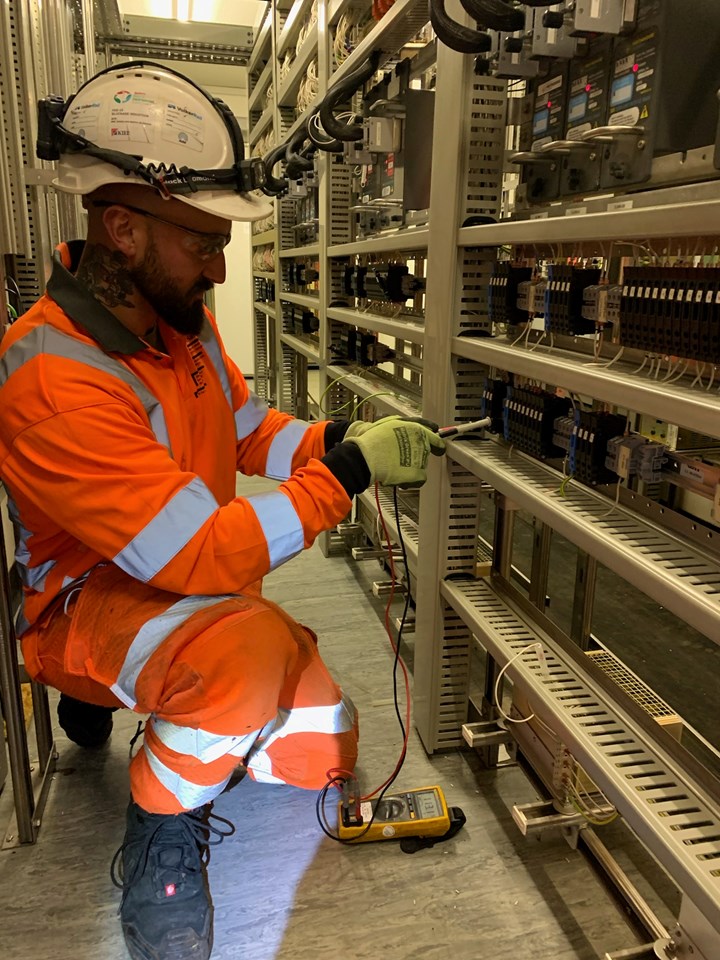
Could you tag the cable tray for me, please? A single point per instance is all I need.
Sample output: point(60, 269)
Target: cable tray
point(662, 804)
point(678, 576)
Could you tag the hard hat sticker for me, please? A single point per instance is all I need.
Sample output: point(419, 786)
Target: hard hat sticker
point(184, 126)
point(83, 119)
point(132, 118)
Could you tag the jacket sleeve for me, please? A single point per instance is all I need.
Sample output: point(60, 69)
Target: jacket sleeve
point(98, 473)
point(274, 444)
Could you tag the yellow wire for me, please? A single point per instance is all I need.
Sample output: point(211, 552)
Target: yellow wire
point(327, 389)
point(357, 406)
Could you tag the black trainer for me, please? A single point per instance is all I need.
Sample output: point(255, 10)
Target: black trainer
point(166, 912)
point(85, 723)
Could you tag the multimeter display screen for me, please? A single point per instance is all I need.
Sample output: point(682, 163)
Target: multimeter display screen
point(427, 804)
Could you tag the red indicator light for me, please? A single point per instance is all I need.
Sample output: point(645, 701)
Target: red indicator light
point(636, 67)
point(588, 88)
point(549, 104)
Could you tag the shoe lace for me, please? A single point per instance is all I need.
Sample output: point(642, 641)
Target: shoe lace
point(191, 829)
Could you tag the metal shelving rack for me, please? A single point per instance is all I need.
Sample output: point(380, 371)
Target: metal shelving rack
point(673, 562)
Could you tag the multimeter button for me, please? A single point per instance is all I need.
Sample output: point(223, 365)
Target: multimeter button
point(412, 814)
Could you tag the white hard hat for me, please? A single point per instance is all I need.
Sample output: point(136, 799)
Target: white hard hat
point(141, 122)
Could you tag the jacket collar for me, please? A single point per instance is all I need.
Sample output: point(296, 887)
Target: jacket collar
point(82, 307)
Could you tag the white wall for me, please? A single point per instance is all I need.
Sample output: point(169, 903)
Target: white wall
point(234, 298)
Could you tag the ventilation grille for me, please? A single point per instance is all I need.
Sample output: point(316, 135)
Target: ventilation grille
point(486, 147)
point(474, 277)
point(262, 360)
point(339, 227)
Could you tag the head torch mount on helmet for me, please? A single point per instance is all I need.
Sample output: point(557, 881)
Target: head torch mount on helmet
point(55, 140)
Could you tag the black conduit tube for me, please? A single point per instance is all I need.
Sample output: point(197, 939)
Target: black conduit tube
point(342, 91)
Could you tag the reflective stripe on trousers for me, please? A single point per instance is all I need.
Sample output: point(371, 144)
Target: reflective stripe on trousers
point(224, 679)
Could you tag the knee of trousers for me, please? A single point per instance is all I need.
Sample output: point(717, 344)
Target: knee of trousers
point(227, 679)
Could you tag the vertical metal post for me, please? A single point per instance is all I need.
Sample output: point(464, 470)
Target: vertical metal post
point(13, 710)
point(540, 567)
point(503, 540)
point(584, 600)
point(43, 723)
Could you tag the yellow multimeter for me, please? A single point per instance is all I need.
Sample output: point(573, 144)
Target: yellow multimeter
point(414, 813)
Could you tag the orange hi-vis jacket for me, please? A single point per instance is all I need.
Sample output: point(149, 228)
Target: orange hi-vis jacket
point(112, 450)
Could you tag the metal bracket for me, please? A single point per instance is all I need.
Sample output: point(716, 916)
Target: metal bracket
point(485, 733)
point(644, 952)
point(38, 177)
point(541, 816)
point(383, 588)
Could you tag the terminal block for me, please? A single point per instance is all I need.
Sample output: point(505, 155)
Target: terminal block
point(601, 303)
point(503, 294)
point(562, 432)
point(392, 281)
point(589, 445)
point(531, 297)
point(530, 414)
point(493, 402)
point(303, 322)
point(672, 310)
point(635, 456)
point(564, 298)
point(355, 281)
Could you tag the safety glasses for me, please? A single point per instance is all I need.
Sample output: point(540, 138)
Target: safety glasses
point(200, 244)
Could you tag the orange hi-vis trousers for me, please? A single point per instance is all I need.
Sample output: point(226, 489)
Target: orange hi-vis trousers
point(226, 680)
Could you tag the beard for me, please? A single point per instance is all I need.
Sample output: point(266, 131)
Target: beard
point(183, 310)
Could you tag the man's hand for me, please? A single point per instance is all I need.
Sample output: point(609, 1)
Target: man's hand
point(358, 427)
point(396, 450)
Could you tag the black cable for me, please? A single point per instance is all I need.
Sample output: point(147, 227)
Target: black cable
point(274, 187)
point(343, 91)
point(293, 156)
point(320, 801)
point(495, 14)
point(328, 145)
point(455, 35)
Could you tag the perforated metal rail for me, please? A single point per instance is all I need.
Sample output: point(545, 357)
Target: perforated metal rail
point(657, 798)
point(665, 567)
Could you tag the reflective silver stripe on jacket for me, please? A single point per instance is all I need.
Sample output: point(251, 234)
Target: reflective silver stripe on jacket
point(33, 577)
point(250, 415)
point(204, 746)
point(280, 524)
point(282, 448)
point(150, 636)
point(254, 410)
point(168, 532)
point(48, 340)
point(188, 794)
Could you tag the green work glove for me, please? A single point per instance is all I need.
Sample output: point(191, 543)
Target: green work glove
point(396, 451)
point(358, 427)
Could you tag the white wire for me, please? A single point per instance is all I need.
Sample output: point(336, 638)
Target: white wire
point(680, 375)
point(699, 374)
point(498, 704)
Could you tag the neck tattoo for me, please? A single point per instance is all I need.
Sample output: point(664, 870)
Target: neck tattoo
point(105, 273)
